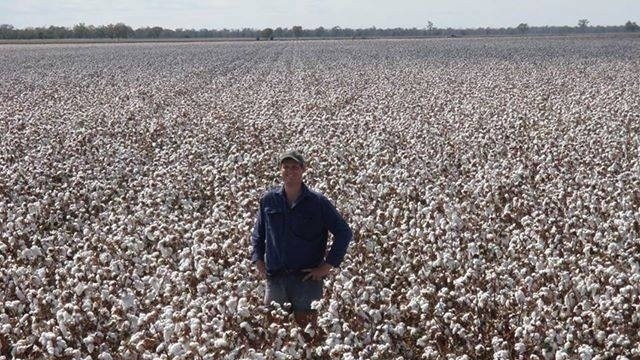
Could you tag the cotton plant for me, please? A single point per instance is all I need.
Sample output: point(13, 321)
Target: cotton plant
point(493, 196)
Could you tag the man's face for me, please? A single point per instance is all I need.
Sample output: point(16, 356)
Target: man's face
point(291, 172)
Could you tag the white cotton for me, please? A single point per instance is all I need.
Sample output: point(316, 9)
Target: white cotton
point(232, 305)
point(128, 299)
point(585, 352)
point(243, 308)
point(176, 349)
point(474, 185)
point(105, 356)
point(220, 343)
point(89, 343)
point(422, 342)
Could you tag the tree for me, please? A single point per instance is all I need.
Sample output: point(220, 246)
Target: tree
point(155, 31)
point(430, 27)
point(167, 33)
point(297, 31)
point(6, 31)
point(80, 31)
point(101, 32)
point(120, 30)
point(57, 32)
point(249, 33)
point(631, 26)
point(583, 23)
point(110, 31)
point(523, 28)
point(267, 33)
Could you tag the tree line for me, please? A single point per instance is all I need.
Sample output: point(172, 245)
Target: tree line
point(123, 31)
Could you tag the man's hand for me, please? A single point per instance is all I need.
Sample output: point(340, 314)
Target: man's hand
point(318, 272)
point(262, 269)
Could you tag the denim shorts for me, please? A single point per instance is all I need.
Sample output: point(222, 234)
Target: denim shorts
point(289, 288)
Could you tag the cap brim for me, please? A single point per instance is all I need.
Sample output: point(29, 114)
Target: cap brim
point(291, 158)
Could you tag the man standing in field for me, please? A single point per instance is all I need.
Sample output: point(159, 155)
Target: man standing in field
point(289, 241)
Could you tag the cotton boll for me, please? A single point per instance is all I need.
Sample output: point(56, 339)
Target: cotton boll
point(422, 342)
point(248, 329)
point(79, 288)
point(89, 343)
point(220, 343)
point(310, 330)
point(570, 300)
point(62, 318)
point(31, 253)
point(105, 356)
point(128, 355)
point(176, 350)
point(185, 265)
point(232, 305)
point(585, 352)
point(128, 299)
point(195, 326)
point(520, 298)
point(430, 353)
point(5, 329)
point(296, 335)
point(243, 308)
point(168, 331)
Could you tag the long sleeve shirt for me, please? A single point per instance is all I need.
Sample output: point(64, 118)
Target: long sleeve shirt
point(289, 239)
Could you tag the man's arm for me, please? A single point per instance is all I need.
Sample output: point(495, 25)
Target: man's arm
point(342, 234)
point(258, 243)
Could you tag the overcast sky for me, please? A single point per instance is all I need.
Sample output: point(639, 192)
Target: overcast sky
point(218, 14)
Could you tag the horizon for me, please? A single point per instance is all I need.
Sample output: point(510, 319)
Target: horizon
point(324, 27)
point(311, 14)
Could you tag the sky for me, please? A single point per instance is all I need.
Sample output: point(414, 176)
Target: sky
point(258, 14)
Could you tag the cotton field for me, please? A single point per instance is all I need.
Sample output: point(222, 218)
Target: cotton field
point(493, 186)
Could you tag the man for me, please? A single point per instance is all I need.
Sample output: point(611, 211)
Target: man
point(289, 241)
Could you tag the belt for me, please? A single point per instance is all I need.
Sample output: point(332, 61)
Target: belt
point(284, 272)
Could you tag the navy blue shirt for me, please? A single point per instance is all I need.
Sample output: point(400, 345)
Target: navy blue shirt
point(292, 239)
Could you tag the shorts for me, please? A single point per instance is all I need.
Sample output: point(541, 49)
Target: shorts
point(289, 288)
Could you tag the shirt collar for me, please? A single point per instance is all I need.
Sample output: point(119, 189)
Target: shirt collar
point(303, 193)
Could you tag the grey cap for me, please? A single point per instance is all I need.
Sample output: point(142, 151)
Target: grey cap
point(293, 155)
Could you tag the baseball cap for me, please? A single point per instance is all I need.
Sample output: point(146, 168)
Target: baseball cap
point(293, 155)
